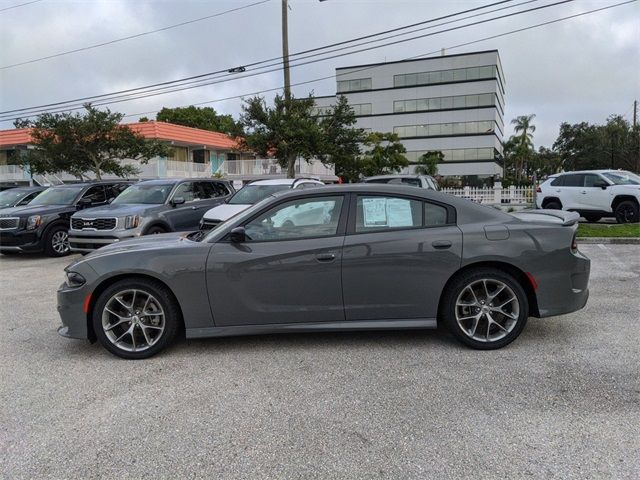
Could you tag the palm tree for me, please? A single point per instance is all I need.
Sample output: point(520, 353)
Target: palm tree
point(524, 139)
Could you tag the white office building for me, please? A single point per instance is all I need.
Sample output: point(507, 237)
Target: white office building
point(452, 103)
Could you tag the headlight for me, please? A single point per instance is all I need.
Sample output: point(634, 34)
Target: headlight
point(33, 222)
point(75, 279)
point(131, 221)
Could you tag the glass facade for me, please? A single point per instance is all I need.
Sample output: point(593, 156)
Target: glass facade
point(446, 76)
point(354, 85)
point(445, 103)
point(362, 108)
point(440, 129)
point(454, 155)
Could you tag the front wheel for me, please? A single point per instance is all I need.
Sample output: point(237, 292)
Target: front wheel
point(627, 212)
point(485, 308)
point(157, 230)
point(56, 242)
point(135, 319)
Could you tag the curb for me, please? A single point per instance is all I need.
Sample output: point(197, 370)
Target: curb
point(610, 240)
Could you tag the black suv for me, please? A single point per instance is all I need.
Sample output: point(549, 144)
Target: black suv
point(43, 225)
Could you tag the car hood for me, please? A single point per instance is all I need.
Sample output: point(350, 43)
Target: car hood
point(149, 242)
point(225, 211)
point(28, 210)
point(117, 210)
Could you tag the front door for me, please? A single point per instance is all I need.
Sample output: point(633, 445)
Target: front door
point(287, 270)
point(398, 254)
point(595, 197)
point(184, 216)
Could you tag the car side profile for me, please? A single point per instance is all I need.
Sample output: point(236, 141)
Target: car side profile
point(147, 208)
point(594, 194)
point(43, 224)
point(377, 257)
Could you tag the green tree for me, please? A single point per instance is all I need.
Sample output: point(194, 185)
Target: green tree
point(522, 143)
point(428, 163)
point(92, 141)
point(384, 156)
point(205, 118)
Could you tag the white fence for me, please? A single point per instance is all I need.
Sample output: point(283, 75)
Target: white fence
point(266, 167)
point(496, 195)
point(12, 173)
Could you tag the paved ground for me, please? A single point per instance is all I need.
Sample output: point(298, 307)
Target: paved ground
point(563, 401)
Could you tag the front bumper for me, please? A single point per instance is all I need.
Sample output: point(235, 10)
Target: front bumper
point(83, 242)
point(71, 302)
point(20, 241)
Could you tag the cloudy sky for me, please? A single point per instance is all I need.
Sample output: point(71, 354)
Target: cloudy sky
point(582, 69)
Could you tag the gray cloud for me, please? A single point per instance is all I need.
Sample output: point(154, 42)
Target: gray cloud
point(580, 70)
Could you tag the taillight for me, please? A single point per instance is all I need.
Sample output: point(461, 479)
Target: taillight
point(538, 190)
point(574, 243)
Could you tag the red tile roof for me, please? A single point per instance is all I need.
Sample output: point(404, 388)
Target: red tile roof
point(157, 130)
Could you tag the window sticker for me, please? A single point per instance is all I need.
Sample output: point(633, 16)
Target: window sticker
point(375, 212)
point(399, 212)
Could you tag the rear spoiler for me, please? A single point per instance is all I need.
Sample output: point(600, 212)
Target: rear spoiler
point(566, 218)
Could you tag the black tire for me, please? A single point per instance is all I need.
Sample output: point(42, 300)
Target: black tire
point(165, 300)
point(459, 287)
point(155, 230)
point(589, 217)
point(56, 241)
point(553, 205)
point(627, 212)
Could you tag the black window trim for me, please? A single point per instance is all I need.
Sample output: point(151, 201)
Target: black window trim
point(353, 209)
point(342, 221)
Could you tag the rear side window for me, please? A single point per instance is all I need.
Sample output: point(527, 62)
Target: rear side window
point(575, 180)
point(558, 181)
point(210, 190)
point(375, 213)
point(434, 215)
point(590, 180)
point(95, 194)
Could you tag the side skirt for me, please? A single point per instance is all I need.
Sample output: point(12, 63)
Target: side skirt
point(394, 324)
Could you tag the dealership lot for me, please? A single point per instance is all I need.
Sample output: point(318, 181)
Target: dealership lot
point(562, 401)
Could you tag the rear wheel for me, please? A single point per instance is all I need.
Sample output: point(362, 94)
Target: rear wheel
point(56, 242)
point(627, 212)
point(553, 205)
point(485, 308)
point(136, 318)
point(592, 217)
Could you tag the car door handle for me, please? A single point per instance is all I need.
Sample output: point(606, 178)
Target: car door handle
point(325, 257)
point(441, 244)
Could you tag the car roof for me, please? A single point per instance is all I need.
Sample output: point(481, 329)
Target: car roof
point(382, 177)
point(608, 170)
point(283, 181)
point(89, 184)
point(171, 181)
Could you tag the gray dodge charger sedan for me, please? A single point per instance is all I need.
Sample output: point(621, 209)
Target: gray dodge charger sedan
point(366, 256)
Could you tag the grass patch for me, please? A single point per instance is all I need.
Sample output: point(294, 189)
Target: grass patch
point(624, 230)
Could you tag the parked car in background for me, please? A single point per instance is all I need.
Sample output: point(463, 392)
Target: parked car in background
point(594, 194)
point(421, 181)
point(377, 257)
point(19, 196)
point(250, 194)
point(147, 208)
point(43, 224)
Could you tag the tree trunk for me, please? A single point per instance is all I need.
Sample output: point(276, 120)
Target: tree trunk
point(291, 165)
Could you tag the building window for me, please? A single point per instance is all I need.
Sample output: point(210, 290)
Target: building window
point(445, 76)
point(354, 85)
point(456, 155)
point(179, 154)
point(440, 129)
point(445, 103)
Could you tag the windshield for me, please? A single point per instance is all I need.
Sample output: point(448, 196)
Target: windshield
point(9, 197)
point(57, 196)
point(254, 193)
point(623, 178)
point(150, 194)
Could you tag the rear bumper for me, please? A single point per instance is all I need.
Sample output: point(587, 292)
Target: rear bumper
point(565, 292)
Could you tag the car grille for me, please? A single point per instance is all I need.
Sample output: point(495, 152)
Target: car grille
point(209, 224)
point(9, 223)
point(93, 223)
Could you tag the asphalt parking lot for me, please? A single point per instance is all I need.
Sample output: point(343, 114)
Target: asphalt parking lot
point(563, 401)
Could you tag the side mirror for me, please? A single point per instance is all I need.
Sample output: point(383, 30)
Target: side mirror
point(84, 203)
point(602, 185)
point(238, 235)
point(177, 201)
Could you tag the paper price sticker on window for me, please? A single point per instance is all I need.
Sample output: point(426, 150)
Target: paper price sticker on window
point(387, 212)
point(375, 212)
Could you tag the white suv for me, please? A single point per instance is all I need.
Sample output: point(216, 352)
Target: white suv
point(252, 193)
point(593, 194)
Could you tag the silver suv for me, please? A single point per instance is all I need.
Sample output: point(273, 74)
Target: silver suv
point(146, 208)
point(593, 194)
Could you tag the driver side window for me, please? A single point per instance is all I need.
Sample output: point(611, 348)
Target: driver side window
point(185, 190)
point(305, 218)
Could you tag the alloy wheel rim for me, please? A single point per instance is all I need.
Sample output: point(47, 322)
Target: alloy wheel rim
point(487, 310)
point(60, 242)
point(628, 213)
point(133, 320)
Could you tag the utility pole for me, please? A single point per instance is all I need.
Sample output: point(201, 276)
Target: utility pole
point(285, 50)
point(635, 113)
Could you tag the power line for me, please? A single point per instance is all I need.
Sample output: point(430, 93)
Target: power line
point(140, 95)
point(19, 5)
point(279, 59)
point(137, 35)
point(422, 55)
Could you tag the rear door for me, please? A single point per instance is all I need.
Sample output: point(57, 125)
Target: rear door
point(398, 254)
point(572, 197)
